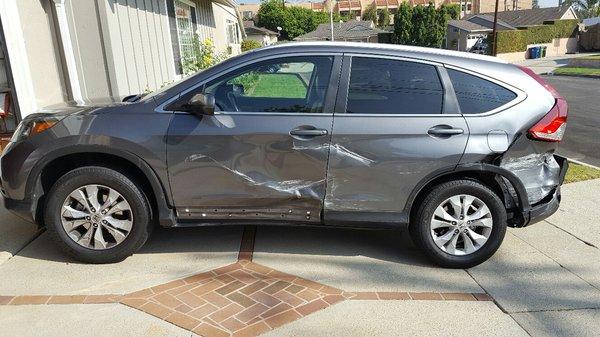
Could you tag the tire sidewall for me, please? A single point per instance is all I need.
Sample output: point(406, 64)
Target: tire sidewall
point(437, 196)
point(106, 177)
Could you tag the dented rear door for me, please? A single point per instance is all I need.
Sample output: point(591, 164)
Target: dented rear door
point(392, 130)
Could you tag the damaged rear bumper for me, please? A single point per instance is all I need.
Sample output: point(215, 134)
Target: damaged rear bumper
point(549, 205)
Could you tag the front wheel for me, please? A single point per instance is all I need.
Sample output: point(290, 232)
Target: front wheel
point(97, 215)
point(460, 224)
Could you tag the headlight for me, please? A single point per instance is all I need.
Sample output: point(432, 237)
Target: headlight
point(31, 127)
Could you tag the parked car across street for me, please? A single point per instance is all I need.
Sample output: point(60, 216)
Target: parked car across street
point(453, 146)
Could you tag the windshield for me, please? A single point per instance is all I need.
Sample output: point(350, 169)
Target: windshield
point(159, 92)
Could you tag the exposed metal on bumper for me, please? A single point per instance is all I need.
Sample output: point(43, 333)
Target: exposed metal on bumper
point(541, 211)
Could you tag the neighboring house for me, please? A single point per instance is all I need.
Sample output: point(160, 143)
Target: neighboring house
point(463, 34)
point(358, 31)
point(263, 35)
point(357, 7)
point(63, 50)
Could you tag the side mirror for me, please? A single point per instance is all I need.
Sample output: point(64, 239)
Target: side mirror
point(201, 104)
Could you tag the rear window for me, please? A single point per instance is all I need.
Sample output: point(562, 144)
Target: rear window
point(383, 86)
point(476, 95)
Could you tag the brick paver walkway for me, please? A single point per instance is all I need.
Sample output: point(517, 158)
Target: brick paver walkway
point(240, 299)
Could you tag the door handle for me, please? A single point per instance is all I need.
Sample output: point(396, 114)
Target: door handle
point(445, 130)
point(308, 132)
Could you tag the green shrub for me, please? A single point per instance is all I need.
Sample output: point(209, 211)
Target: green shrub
point(249, 45)
point(510, 41)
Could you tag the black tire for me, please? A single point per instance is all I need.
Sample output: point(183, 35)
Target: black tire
point(420, 227)
point(76, 178)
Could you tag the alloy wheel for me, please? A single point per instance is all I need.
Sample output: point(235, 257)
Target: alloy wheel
point(96, 217)
point(461, 225)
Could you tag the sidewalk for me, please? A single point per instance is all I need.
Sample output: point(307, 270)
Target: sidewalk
point(544, 281)
point(548, 64)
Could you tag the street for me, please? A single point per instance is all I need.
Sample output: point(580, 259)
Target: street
point(582, 138)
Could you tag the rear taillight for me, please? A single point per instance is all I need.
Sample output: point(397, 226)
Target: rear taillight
point(551, 128)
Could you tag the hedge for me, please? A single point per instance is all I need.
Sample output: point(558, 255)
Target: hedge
point(249, 45)
point(510, 41)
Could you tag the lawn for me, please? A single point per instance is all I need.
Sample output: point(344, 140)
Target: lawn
point(577, 71)
point(591, 57)
point(277, 85)
point(578, 172)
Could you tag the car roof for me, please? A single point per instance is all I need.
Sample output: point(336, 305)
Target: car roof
point(442, 55)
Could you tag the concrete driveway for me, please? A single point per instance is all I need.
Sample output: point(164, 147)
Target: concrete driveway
point(281, 281)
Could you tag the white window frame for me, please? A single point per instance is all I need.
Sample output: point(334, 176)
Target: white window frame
point(228, 23)
point(191, 4)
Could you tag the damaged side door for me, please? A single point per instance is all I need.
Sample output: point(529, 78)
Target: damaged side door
point(396, 125)
point(263, 155)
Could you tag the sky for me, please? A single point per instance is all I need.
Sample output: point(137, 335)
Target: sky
point(543, 3)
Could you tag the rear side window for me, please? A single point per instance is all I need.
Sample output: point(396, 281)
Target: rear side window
point(476, 95)
point(383, 86)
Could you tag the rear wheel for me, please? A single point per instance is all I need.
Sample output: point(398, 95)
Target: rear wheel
point(97, 215)
point(460, 224)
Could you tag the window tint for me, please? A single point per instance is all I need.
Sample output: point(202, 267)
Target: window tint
point(476, 95)
point(380, 86)
point(296, 84)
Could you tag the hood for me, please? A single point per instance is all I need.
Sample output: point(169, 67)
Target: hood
point(82, 107)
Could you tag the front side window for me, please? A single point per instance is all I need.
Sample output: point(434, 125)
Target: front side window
point(185, 30)
point(294, 84)
point(476, 95)
point(384, 86)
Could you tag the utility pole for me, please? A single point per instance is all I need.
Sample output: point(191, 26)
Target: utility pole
point(494, 31)
point(331, 22)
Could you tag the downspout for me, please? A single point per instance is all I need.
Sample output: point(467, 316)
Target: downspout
point(67, 50)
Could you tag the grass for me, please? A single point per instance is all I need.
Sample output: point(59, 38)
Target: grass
point(578, 172)
point(278, 85)
point(591, 57)
point(576, 71)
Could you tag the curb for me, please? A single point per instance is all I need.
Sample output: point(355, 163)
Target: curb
point(583, 164)
point(551, 73)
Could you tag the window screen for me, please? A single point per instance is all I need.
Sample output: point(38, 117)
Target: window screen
point(476, 95)
point(382, 86)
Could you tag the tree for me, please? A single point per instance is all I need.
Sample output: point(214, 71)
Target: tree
point(370, 13)
point(452, 11)
point(418, 34)
point(383, 19)
point(293, 20)
point(585, 8)
point(403, 24)
point(422, 26)
point(535, 4)
point(430, 20)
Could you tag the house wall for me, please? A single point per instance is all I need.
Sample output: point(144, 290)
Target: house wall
point(488, 6)
point(137, 48)
point(223, 13)
point(43, 52)
point(86, 38)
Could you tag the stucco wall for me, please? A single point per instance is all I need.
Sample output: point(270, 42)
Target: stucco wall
point(222, 14)
point(86, 37)
point(556, 48)
point(39, 33)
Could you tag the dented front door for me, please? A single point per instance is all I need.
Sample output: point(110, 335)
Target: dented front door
point(261, 165)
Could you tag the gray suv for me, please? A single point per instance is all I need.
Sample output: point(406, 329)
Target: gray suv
point(454, 147)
